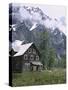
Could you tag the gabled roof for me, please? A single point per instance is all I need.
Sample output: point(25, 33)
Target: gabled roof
point(15, 45)
point(23, 49)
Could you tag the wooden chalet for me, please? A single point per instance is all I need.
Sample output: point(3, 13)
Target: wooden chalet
point(26, 58)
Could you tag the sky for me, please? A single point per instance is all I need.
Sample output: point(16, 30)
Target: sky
point(51, 10)
point(54, 11)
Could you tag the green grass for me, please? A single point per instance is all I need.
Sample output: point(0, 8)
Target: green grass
point(54, 76)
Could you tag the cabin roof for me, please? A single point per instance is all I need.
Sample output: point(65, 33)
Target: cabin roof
point(36, 63)
point(22, 49)
point(15, 45)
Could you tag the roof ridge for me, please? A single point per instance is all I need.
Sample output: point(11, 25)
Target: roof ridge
point(27, 43)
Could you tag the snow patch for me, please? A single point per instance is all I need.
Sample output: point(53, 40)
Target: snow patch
point(16, 44)
point(52, 23)
point(33, 27)
point(12, 27)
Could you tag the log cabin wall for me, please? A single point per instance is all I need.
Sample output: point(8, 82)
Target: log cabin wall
point(30, 55)
point(23, 62)
point(17, 64)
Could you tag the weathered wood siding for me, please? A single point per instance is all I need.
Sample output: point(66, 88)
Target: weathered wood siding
point(16, 64)
point(20, 64)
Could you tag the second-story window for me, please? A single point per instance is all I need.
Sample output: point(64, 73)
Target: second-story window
point(25, 57)
point(34, 51)
point(30, 50)
point(31, 57)
point(37, 57)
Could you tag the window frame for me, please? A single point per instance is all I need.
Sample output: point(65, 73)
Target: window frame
point(37, 57)
point(25, 57)
point(30, 50)
point(32, 57)
point(34, 51)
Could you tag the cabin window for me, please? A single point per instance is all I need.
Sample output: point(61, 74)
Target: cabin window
point(34, 51)
point(30, 50)
point(25, 57)
point(31, 57)
point(37, 57)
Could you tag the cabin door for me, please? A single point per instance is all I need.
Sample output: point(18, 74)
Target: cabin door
point(34, 68)
point(26, 67)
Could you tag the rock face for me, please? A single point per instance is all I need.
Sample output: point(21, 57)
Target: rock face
point(29, 22)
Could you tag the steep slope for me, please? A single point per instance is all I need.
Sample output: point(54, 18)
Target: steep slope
point(28, 23)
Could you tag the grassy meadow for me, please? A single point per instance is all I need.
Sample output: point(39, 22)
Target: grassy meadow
point(45, 77)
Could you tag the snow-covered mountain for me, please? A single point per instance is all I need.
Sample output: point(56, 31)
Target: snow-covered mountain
point(37, 16)
point(28, 23)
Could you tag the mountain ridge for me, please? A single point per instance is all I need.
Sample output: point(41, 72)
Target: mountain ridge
point(28, 28)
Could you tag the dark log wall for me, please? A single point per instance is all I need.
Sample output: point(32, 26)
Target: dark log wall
point(18, 63)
